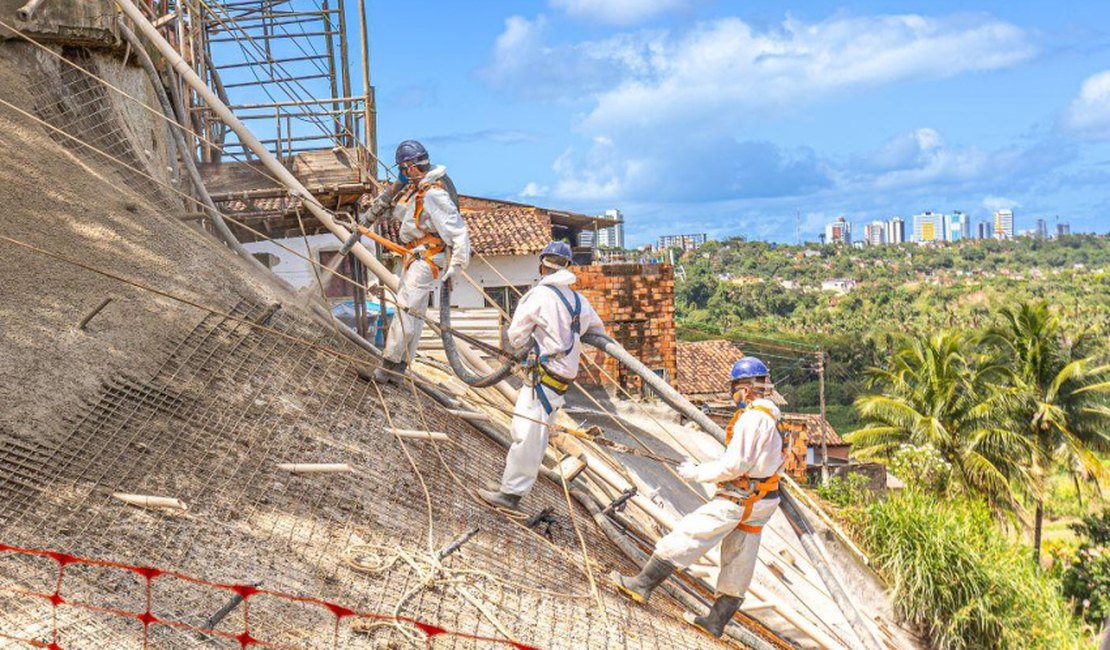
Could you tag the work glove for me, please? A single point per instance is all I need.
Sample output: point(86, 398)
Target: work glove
point(452, 271)
point(688, 470)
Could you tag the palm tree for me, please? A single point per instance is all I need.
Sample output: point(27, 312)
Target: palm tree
point(1057, 399)
point(935, 392)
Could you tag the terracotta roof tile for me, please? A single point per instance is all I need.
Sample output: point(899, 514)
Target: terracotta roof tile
point(508, 231)
point(704, 366)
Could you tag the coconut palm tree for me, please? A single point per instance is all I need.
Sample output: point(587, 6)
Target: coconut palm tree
point(935, 392)
point(1058, 397)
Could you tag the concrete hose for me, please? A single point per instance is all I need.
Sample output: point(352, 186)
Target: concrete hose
point(665, 391)
point(452, 352)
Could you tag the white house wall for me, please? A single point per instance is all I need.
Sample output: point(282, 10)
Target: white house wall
point(295, 270)
point(519, 270)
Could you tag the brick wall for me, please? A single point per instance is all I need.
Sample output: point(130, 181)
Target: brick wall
point(636, 302)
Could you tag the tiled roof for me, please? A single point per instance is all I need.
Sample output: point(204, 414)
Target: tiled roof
point(508, 231)
point(704, 366)
point(811, 424)
point(503, 231)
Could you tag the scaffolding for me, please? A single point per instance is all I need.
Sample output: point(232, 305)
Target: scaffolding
point(283, 66)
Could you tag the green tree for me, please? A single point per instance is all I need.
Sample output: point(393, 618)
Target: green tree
point(936, 392)
point(1057, 400)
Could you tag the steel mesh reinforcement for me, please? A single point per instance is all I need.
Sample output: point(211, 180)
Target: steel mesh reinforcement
point(209, 427)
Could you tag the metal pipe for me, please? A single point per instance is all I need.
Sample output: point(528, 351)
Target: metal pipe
point(805, 532)
point(368, 136)
point(27, 11)
point(213, 214)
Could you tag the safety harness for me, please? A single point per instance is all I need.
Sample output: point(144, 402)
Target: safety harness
point(431, 241)
point(539, 377)
point(753, 490)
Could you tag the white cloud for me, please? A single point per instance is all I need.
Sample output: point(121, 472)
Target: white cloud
point(995, 203)
point(724, 70)
point(1089, 113)
point(534, 190)
point(617, 12)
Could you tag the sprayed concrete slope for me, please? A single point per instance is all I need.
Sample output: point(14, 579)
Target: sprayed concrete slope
point(161, 398)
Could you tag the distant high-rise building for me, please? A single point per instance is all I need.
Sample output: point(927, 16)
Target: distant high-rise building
point(1042, 229)
point(612, 236)
point(957, 226)
point(838, 232)
point(1063, 229)
point(685, 242)
point(874, 233)
point(984, 230)
point(928, 227)
point(896, 231)
point(1004, 224)
point(586, 239)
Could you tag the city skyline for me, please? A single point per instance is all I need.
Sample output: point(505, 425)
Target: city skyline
point(733, 118)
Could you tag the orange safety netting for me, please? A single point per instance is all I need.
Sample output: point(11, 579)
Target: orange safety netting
point(237, 593)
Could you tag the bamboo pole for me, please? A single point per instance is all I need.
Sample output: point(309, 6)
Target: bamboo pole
point(315, 468)
point(419, 435)
point(147, 501)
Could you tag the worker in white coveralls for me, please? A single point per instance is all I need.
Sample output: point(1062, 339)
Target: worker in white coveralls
point(747, 495)
point(438, 249)
point(550, 318)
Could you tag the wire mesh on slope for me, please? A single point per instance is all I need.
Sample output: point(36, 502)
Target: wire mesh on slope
point(210, 426)
point(83, 107)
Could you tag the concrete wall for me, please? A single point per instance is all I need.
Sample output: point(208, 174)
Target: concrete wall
point(72, 22)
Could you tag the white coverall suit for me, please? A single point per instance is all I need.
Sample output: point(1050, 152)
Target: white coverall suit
point(541, 318)
point(755, 450)
point(442, 218)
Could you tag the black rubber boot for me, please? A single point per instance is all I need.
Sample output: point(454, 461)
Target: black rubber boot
point(500, 499)
point(718, 617)
point(390, 372)
point(639, 587)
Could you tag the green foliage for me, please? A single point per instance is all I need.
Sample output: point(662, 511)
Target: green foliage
point(921, 466)
point(845, 491)
point(1087, 579)
point(1054, 394)
point(934, 392)
point(740, 290)
point(960, 581)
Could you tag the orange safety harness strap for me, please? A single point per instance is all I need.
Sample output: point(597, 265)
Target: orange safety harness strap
point(433, 244)
point(762, 488)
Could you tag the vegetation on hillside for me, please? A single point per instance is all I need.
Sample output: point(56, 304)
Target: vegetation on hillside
point(980, 374)
point(746, 291)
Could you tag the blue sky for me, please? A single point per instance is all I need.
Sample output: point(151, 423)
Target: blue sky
point(732, 118)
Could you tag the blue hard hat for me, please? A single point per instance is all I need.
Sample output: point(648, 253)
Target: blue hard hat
point(749, 368)
point(558, 249)
point(410, 151)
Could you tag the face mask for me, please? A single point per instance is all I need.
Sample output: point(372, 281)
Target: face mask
point(404, 179)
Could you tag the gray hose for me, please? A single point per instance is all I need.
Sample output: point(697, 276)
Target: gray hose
point(452, 352)
point(669, 395)
point(805, 532)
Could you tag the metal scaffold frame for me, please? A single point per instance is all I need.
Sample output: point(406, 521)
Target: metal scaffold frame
point(283, 67)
